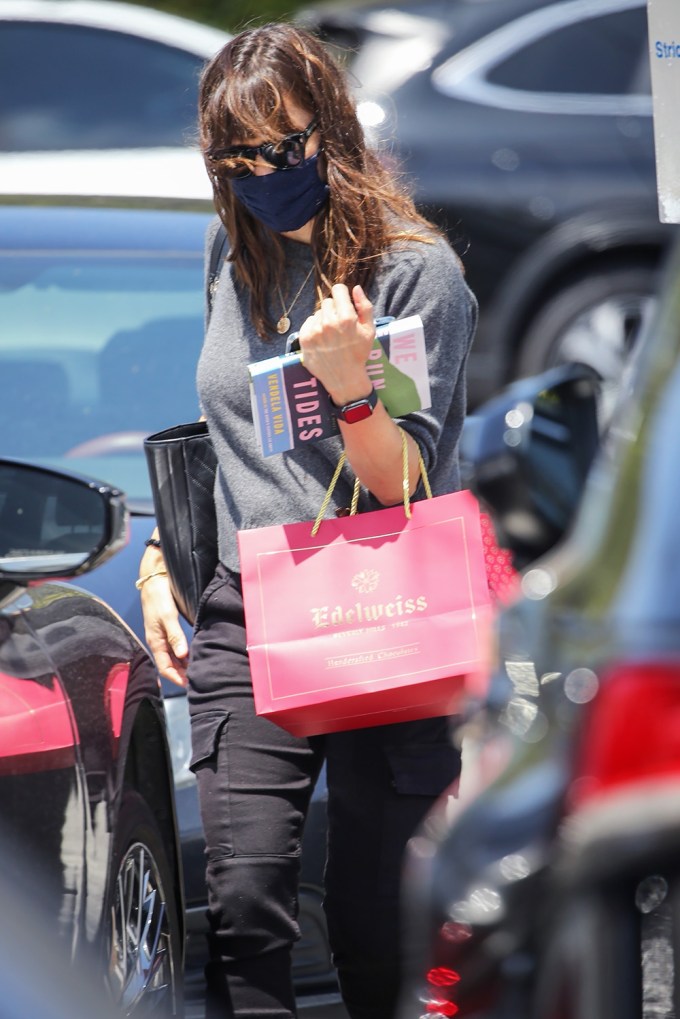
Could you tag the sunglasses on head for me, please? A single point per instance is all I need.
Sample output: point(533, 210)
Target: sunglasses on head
point(286, 153)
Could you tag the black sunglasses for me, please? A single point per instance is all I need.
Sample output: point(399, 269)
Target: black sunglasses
point(286, 153)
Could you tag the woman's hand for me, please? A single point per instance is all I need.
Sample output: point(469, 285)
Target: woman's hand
point(336, 342)
point(162, 628)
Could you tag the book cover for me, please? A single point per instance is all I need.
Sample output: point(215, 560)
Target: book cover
point(291, 408)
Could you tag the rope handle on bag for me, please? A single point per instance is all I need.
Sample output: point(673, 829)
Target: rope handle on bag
point(357, 484)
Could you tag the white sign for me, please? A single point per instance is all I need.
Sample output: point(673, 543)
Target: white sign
point(664, 55)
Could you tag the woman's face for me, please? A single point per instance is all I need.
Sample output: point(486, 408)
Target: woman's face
point(284, 200)
point(300, 119)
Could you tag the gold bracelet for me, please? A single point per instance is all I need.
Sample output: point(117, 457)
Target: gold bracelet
point(139, 584)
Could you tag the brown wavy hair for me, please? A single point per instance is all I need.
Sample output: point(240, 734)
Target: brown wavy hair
point(242, 93)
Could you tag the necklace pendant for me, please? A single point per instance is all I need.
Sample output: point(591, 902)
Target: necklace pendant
point(283, 325)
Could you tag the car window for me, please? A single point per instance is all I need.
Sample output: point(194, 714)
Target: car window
point(97, 350)
point(73, 87)
point(594, 56)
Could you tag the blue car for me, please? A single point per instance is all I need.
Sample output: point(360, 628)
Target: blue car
point(101, 323)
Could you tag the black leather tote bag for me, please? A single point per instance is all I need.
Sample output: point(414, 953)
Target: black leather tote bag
point(182, 466)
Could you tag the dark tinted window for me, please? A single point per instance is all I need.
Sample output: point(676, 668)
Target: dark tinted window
point(596, 56)
point(42, 512)
point(64, 86)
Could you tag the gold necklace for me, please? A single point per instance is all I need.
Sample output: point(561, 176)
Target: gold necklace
point(283, 325)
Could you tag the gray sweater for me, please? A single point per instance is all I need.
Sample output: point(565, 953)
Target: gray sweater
point(254, 491)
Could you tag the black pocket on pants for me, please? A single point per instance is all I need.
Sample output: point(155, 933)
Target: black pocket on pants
point(206, 729)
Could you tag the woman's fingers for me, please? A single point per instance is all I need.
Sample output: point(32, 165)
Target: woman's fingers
point(345, 311)
point(170, 667)
point(163, 631)
point(168, 662)
point(342, 305)
point(336, 340)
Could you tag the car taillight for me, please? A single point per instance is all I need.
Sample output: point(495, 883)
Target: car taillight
point(441, 983)
point(631, 733)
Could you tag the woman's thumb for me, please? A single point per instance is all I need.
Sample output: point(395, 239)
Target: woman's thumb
point(178, 643)
point(362, 305)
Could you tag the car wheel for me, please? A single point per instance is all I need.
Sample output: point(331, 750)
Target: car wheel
point(595, 321)
point(143, 948)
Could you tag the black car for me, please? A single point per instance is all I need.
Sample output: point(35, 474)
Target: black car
point(552, 887)
point(89, 844)
point(525, 128)
point(101, 324)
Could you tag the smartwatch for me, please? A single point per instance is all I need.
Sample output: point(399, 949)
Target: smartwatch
point(357, 410)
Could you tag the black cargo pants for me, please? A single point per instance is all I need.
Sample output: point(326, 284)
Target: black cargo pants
point(255, 782)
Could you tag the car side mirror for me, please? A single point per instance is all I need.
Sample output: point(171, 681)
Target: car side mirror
point(54, 524)
point(526, 455)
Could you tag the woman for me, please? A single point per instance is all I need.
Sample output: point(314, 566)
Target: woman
point(321, 241)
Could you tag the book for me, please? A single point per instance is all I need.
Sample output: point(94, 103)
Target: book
point(291, 408)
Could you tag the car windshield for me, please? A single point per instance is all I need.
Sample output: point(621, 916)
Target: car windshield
point(97, 350)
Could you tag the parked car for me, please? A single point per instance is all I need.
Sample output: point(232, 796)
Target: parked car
point(88, 833)
point(550, 888)
point(98, 74)
point(101, 323)
point(154, 174)
point(66, 130)
point(525, 128)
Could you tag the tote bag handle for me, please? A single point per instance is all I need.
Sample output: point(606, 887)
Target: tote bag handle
point(357, 484)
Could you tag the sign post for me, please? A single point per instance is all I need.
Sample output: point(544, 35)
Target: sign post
point(664, 55)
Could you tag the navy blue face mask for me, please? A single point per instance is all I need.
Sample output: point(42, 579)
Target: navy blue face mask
point(286, 199)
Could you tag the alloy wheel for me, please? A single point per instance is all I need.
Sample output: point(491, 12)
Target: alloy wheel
point(141, 964)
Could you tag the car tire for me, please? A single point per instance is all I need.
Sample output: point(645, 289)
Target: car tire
point(143, 957)
point(596, 320)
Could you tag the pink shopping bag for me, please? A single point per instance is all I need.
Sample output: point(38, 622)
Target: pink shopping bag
point(378, 618)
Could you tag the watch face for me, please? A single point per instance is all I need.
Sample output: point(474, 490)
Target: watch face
point(357, 412)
